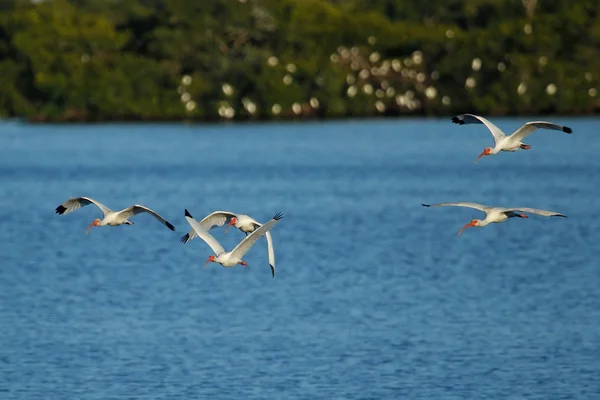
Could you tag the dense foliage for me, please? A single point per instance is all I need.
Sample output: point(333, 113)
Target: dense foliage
point(240, 59)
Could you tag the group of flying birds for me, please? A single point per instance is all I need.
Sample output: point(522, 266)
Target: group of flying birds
point(254, 230)
point(503, 142)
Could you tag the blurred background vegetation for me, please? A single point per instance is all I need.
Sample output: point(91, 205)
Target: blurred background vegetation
point(64, 60)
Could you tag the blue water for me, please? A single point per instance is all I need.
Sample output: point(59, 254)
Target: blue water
point(375, 297)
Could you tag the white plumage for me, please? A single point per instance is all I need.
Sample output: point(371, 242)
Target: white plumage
point(496, 214)
point(233, 257)
point(502, 142)
point(110, 218)
point(242, 222)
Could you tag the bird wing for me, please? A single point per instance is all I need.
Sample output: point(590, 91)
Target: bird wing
point(78, 202)
point(464, 119)
point(530, 127)
point(271, 252)
point(217, 218)
point(137, 209)
point(249, 240)
point(476, 206)
point(543, 213)
point(204, 235)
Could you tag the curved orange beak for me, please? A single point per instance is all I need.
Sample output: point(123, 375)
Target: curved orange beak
point(94, 223)
point(469, 225)
point(486, 152)
point(210, 259)
point(481, 155)
point(232, 222)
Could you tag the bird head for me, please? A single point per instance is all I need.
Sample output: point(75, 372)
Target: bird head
point(211, 258)
point(474, 222)
point(232, 222)
point(486, 152)
point(94, 223)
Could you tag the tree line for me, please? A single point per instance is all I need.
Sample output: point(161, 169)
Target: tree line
point(97, 60)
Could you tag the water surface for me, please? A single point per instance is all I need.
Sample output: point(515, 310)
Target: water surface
point(375, 296)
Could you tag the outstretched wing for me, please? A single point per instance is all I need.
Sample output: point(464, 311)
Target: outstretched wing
point(204, 235)
point(476, 206)
point(271, 252)
point(137, 209)
point(78, 202)
point(217, 218)
point(249, 240)
point(533, 126)
point(543, 213)
point(465, 119)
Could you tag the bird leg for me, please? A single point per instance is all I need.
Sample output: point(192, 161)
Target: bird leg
point(244, 263)
point(525, 146)
point(522, 216)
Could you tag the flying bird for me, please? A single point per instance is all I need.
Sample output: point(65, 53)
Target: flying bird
point(496, 214)
point(233, 257)
point(242, 222)
point(111, 218)
point(510, 142)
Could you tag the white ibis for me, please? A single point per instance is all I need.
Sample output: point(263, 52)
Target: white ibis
point(111, 218)
point(233, 257)
point(504, 142)
point(496, 214)
point(242, 222)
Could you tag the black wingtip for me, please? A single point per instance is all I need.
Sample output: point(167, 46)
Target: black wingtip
point(272, 270)
point(457, 120)
point(187, 213)
point(60, 210)
point(169, 225)
point(560, 215)
point(184, 239)
point(425, 205)
point(566, 129)
point(278, 216)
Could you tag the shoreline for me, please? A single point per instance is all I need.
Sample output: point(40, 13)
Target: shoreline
point(284, 119)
